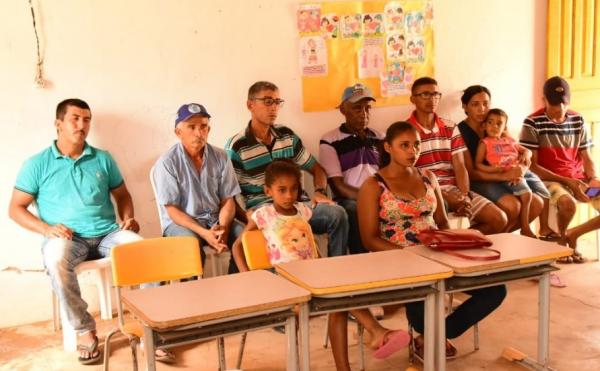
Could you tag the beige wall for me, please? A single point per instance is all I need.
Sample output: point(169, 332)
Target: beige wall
point(136, 61)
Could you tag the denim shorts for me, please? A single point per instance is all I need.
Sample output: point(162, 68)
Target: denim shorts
point(494, 191)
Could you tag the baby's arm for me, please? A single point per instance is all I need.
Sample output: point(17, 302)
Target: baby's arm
point(480, 161)
point(237, 249)
point(524, 156)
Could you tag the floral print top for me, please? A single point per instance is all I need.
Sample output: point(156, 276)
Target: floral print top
point(401, 219)
point(289, 238)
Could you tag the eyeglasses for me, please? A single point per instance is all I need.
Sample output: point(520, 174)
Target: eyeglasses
point(428, 95)
point(268, 101)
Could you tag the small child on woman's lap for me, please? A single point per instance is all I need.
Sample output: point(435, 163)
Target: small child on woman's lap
point(498, 152)
point(284, 224)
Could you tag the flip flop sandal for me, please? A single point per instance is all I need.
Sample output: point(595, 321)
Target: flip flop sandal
point(451, 351)
point(396, 340)
point(92, 349)
point(550, 237)
point(419, 349)
point(578, 258)
point(565, 260)
point(555, 281)
point(165, 356)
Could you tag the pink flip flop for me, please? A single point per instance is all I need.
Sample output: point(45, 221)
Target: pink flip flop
point(555, 281)
point(396, 340)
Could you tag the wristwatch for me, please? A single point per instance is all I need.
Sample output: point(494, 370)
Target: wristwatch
point(320, 190)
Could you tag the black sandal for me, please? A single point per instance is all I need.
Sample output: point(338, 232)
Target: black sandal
point(565, 260)
point(550, 237)
point(93, 351)
point(578, 258)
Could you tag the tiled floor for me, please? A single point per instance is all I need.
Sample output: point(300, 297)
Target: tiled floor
point(574, 332)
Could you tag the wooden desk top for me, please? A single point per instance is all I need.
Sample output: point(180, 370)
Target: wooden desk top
point(362, 272)
point(515, 250)
point(186, 303)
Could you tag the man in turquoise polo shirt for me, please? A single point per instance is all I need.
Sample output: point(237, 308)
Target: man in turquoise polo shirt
point(70, 184)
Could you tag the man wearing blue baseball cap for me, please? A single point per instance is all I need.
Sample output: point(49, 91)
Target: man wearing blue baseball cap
point(349, 154)
point(195, 185)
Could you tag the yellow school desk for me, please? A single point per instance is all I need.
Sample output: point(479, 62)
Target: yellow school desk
point(193, 311)
point(360, 281)
point(522, 258)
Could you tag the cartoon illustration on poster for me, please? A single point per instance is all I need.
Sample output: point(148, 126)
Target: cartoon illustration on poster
point(394, 17)
point(390, 40)
point(392, 82)
point(415, 22)
point(428, 13)
point(330, 26)
point(395, 46)
point(415, 49)
point(408, 77)
point(352, 26)
point(313, 56)
point(309, 18)
point(370, 61)
point(373, 25)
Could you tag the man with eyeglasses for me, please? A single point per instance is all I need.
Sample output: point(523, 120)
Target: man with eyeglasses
point(442, 150)
point(253, 149)
point(196, 185)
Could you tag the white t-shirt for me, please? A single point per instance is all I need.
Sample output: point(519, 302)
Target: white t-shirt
point(289, 237)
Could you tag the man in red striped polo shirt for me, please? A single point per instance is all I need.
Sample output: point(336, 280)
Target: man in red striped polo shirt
point(442, 149)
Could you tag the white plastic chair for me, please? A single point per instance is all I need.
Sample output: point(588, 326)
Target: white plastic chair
point(457, 222)
point(101, 270)
point(211, 254)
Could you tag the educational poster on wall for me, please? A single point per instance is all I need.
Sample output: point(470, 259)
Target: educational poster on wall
point(383, 44)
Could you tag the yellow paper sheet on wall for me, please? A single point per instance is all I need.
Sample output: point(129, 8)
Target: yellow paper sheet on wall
point(385, 45)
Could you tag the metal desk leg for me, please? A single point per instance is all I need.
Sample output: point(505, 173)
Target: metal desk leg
point(440, 328)
point(292, 338)
point(149, 348)
point(544, 319)
point(429, 335)
point(221, 351)
point(304, 337)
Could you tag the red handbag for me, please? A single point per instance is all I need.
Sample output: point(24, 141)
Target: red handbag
point(449, 241)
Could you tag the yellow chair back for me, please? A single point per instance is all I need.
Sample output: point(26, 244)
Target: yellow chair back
point(155, 259)
point(255, 250)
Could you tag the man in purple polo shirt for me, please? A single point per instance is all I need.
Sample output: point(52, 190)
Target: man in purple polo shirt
point(349, 154)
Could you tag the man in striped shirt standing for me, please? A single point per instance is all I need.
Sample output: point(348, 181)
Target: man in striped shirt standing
point(560, 145)
point(254, 148)
point(442, 150)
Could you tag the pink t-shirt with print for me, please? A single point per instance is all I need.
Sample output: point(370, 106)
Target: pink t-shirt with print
point(501, 152)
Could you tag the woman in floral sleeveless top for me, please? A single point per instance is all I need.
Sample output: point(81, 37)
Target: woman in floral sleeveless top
point(399, 202)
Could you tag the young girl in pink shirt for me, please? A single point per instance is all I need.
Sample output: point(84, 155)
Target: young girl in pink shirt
point(498, 152)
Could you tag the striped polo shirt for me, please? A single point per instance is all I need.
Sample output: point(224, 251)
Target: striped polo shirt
point(438, 145)
point(558, 145)
point(250, 158)
point(344, 154)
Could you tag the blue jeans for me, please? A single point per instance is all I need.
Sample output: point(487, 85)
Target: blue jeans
point(236, 229)
point(355, 245)
point(333, 220)
point(60, 259)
